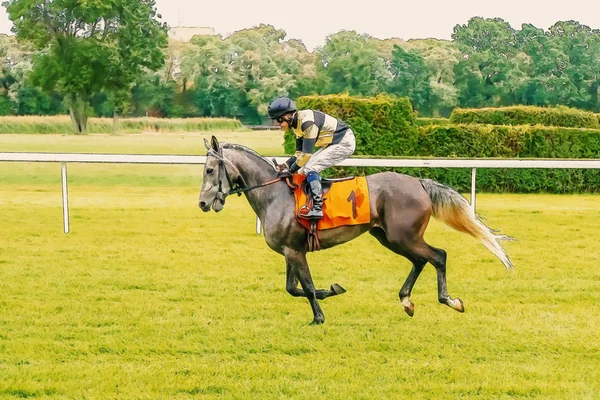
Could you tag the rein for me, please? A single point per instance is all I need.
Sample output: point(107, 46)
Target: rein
point(236, 188)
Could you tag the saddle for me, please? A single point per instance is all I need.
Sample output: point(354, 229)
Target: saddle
point(345, 202)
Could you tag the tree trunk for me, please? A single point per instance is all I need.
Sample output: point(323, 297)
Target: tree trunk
point(115, 126)
point(594, 93)
point(78, 113)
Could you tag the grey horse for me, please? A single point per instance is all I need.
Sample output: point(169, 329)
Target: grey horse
point(401, 207)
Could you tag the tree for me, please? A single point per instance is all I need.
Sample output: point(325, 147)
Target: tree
point(440, 57)
point(353, 63)
point(491, 67)
point(563, 67)
point(580, 47)
point(239, 75)
point(84, 47)
point(410, 78)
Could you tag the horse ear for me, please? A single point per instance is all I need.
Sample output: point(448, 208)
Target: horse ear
point(215, 144)
point(206, 144)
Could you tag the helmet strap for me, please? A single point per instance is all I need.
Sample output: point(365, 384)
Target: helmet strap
point(293, 118)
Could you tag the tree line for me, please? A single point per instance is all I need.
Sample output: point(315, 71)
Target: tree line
point(85, 58)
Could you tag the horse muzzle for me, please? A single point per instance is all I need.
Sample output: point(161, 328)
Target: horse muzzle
point(217, 204)
point(204, 206)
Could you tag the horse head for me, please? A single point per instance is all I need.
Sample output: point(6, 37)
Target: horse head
point(220, 177)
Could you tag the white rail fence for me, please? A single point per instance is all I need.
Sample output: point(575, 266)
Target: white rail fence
point(473, 164)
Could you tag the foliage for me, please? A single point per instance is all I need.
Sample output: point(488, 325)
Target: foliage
point(383, 125)
point(7, 106)
point(490, 66)
point(489, 141)
point(487, 64)
point(410, 78)
point(522, 115)
point(239, 75)
point(156, 97)
point(85, 47)
point(493, 141)
point(440, 57)
point(503, 66)
point(352, 63)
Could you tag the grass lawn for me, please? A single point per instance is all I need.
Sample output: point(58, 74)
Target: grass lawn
point(148, 297)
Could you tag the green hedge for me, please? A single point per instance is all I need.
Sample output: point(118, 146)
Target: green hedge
point(383, 125)
point(527, 115)
point(491, 141)
point(512, 142)
point(524, 141)
point(387, 127)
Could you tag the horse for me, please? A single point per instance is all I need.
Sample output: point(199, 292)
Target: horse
point(400, 207)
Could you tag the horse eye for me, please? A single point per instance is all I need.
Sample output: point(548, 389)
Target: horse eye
point(209, 171)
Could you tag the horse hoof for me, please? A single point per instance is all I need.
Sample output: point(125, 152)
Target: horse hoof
point(409, 307)
point(458, 305)
point(337, 289)
point(317, 322)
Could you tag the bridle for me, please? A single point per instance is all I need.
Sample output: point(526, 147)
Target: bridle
point(235, 187)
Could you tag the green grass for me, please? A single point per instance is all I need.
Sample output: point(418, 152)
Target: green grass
point(423, 121)
point(265, 142)
point(61, 124)
point(148, 297)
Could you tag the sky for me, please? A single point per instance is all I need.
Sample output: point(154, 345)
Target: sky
point(313, 20)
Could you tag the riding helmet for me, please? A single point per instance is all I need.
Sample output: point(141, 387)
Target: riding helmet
point(281, 106)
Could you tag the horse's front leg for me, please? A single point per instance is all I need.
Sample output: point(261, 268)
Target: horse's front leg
point(297, 270)
point(291, 286)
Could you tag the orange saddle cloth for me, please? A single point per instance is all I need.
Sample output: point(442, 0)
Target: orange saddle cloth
point(345, 203)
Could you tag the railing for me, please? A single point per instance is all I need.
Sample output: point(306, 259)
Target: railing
point(65, 158)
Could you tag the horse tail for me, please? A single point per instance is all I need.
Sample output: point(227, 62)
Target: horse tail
point(453, 209)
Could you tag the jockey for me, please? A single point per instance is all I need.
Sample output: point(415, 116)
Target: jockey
point(313, 128)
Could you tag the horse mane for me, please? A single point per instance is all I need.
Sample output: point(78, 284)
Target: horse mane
point(248, 150)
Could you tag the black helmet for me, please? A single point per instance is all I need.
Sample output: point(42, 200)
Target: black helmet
point(281, 106)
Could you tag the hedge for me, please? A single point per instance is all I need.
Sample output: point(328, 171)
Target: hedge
point(386, 127)
point(489, 141)
point(527, 115)
point(376, 122)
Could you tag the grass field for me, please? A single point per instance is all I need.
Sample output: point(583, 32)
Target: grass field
point(148, 297)
point(61, 124)
point(265, 142)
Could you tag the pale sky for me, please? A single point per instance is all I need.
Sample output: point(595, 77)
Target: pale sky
point(312, 20)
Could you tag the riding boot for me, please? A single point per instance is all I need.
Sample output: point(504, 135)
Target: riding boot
point(317, 200)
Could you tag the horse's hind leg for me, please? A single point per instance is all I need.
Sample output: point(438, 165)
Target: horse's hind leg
point(439, 262)
point(437, 257)
point(419, 253)
point(406, 289)
point(418, 264)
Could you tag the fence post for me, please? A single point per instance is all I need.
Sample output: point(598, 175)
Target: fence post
point(65, 196)
point(473, 185)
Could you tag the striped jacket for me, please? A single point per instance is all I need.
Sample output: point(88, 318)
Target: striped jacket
point(313, 129)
